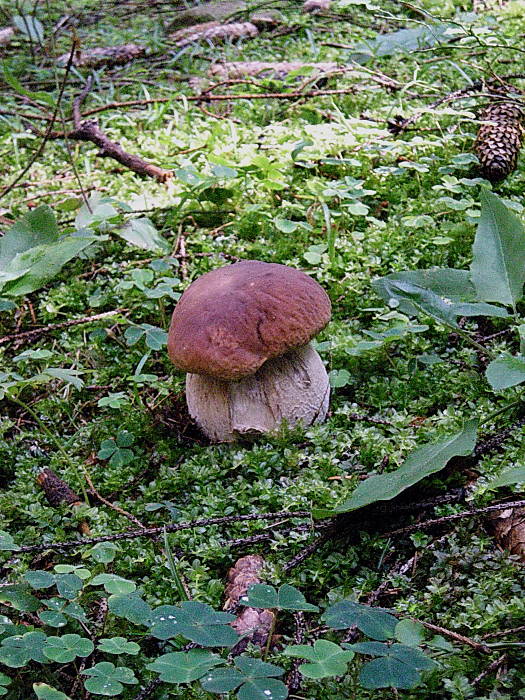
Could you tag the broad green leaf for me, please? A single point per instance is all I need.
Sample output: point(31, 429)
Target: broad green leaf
point(7, 543)
point(506, 371)
point(411, 299)
point(402, 40)
point(184, 667)
point(195, 621)
point(42, 263)
point(421, 463)
point(113, 583)
point(409, 632)
point(40, 354)
point(143, 234)
point(256, 679)
point(104, 552)
point(388, 672)
point(262, 689)
point(18, 650)
point(327, 659)
point(376, 623)
point(36, 228)
point(222, 680)
point(67, 647)
point(497, 269)
point(69, 376)
point(107, 679)
point(4, 681)
point(508, 478)
point(46, 692)
point(286, 225)
point(52, 618)
point(340, 377)
point(68, 585)
point(20, 597)
point(287, 597)
point(130, 606)
point(118, 645)
point(30, 26)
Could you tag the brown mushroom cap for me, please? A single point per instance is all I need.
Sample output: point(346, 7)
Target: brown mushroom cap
point(231, 320)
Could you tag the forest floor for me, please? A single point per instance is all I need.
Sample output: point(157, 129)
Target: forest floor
point(302, 171)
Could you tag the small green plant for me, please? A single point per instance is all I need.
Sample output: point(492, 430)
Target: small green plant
point(66, 598)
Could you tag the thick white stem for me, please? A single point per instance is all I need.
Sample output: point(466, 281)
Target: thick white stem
point(293, 388)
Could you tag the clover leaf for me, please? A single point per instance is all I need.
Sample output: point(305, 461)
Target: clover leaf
point(115, 449)
point(131, 607)
point(376, 623)
point(19, 650)
point(328, 659)
point(113, 583)
point(155, 337)
point(107, 679)
point(195, 621)
point(46, 692)
point(4, 680)
point(39, 579)
point(184, 667)
point(399, 665)
point(118, 645)
point(7, 543)
point(67, 647)
point(288, 597)
point(255, 680)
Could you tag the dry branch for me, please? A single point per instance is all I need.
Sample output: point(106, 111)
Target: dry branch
point(172, 527)
point(89, 130)
point(105, 56)
point(267, 69)
point(31, 335)
point(214, 32)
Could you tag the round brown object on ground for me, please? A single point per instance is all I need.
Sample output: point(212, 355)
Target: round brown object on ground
point(230, 321)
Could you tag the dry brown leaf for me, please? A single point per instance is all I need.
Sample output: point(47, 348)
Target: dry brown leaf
point(508, 528)
point(255, 623)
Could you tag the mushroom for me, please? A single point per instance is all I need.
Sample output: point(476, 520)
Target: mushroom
point(242, 333)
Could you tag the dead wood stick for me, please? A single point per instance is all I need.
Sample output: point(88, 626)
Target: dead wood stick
point(30, 335)
point(89, 130)
point(117, 509)
point(456, 516)
point(172, 527)
point(478, 646)
point(494, 666)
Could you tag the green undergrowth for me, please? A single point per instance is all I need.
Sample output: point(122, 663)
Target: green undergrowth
point(319, 184)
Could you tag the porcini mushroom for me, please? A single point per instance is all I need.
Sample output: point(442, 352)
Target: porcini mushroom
point(242, 333)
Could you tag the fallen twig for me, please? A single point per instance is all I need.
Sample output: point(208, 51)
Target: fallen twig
point(173, 527)
point(117, 509)
point(491, 667)
point(89, 130)
point(455, 516)
point(31, 335)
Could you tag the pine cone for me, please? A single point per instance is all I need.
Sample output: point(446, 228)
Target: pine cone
point(498, 144)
